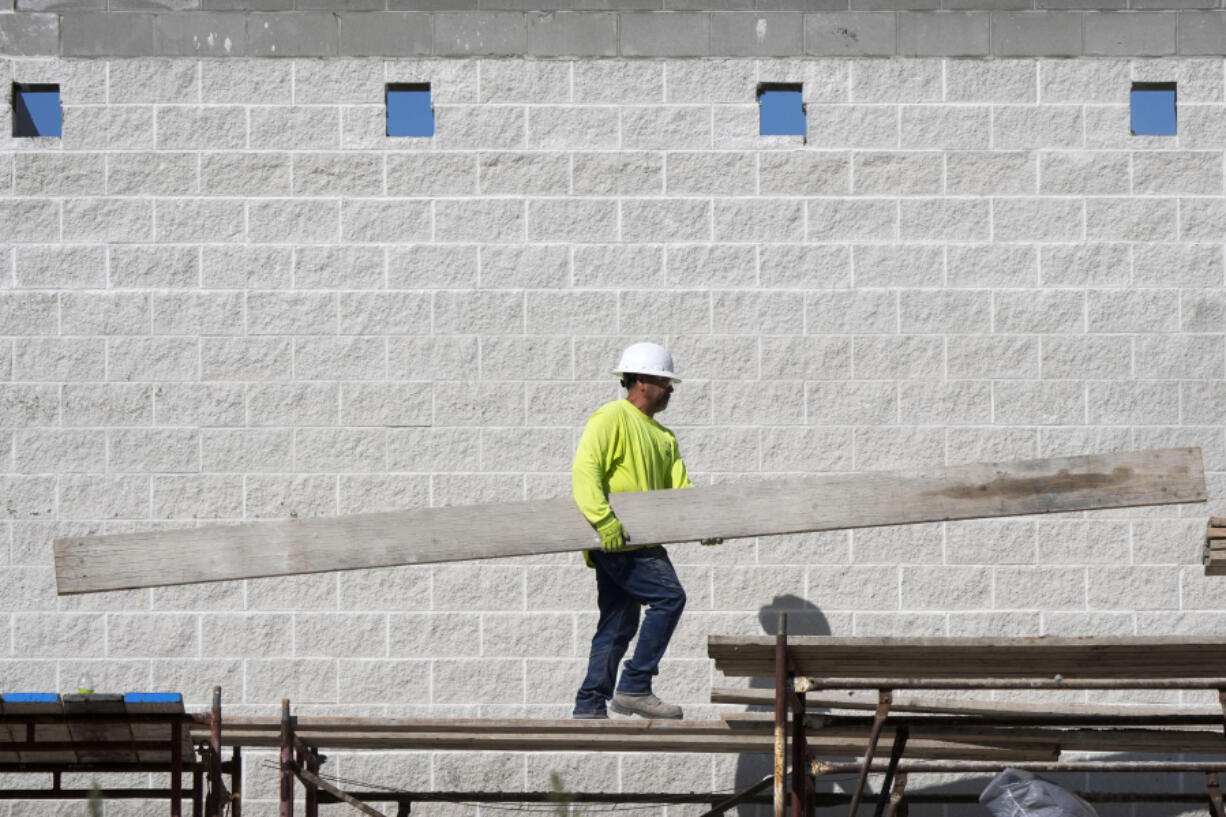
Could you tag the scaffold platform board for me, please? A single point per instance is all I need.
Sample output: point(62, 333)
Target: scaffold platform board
point(1036, 657)
point(818, 735)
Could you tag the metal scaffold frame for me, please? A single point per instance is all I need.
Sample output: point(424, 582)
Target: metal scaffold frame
point(929, 736)
point(92, 739)
point(800, 797)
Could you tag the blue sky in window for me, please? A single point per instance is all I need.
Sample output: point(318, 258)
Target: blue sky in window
point(782, 113)
point(36, 111)
point(1153, 111)
point(409, 112)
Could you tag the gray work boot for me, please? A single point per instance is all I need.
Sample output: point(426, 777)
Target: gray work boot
point(649, 706)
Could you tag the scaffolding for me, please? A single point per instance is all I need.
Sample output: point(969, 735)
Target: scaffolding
point(884, 665)
point(818, 728)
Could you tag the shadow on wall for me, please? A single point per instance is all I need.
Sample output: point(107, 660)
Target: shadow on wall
point(804, 618)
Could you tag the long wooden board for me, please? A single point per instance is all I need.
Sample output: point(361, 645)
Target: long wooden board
point(1004, 709)
point(1137, 657)
point(1100, 739)
point(730, 741)
point(733, 510)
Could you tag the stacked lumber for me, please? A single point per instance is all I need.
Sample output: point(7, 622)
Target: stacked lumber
point(1215, 546)
point(93, 728)
point(845, 678)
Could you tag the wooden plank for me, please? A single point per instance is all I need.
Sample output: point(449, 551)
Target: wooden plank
point(1080, 739)
point(503, 726)
point(733, 510)
point(731, 742)
point(960, 706)
point(153, 703)
point(919, 658)
point(34, 703)
point(1164, 741)
point(99, 704)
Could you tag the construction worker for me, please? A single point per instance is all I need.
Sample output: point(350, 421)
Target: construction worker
point(624, 449)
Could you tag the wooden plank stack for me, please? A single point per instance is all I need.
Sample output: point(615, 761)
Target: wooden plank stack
point(843, 675)
point(1215, 546)
point(92, 720)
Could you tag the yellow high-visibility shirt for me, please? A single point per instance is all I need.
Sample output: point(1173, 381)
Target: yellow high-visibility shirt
point(622, 450)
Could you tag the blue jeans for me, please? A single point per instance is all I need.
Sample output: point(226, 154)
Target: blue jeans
point(624, 583)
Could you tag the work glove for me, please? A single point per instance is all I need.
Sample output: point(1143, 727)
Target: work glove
point(613, 536)
point(714, 540)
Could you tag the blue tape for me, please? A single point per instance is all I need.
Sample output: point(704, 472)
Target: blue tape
point(152, 698)
point(30, 697)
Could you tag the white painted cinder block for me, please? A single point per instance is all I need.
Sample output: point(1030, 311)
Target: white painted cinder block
point(227, 295)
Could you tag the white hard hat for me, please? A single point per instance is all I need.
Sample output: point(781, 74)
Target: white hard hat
point(647, 358)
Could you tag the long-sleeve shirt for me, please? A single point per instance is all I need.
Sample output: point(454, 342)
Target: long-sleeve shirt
point(623, 450)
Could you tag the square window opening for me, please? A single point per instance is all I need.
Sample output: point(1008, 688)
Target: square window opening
point(36, 110)
point(1153, 111)
point(781, 109)
point(409, 112)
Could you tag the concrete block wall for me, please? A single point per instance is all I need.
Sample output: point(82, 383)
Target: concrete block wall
point(627, 28)
point(226, 295)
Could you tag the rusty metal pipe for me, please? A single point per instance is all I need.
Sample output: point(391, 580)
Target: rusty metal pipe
point(214, 758)
point(236, 783)
point(1017, 683)
point(309, 761)
point(312, 779)
point(1214, 789)
point(821, 767)
point(823, 720)
point(800, 776)
point(897, 793)
point(884, 699)
point(781, 672)
point(287, 761)
point(901, 734)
